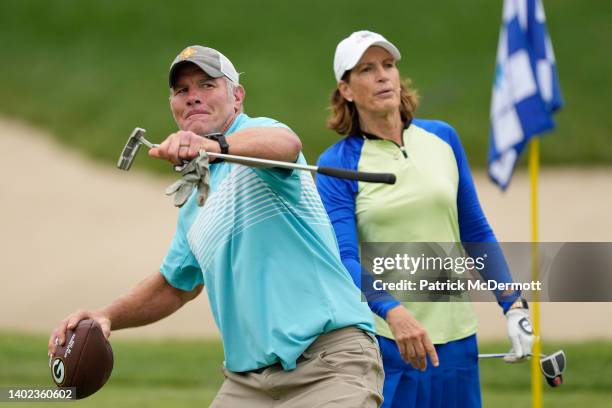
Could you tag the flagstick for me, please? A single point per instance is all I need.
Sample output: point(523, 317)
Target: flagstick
point(536, 381)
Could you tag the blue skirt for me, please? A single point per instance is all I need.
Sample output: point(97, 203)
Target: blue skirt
point(455, 383)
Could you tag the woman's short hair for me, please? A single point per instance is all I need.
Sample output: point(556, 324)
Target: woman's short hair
point(344, 118)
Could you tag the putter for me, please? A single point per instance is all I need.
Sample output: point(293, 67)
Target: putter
point(128, 154)
point(552, 365)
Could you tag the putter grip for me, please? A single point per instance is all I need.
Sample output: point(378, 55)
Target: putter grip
point(386, 178)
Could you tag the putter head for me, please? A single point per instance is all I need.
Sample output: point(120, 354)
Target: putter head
point(128, 154)
point(555, 382)
point(552, 367)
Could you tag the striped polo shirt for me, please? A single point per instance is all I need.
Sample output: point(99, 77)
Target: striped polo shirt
point(266, 252)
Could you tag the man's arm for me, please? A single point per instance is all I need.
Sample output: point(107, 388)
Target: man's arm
point(272, 143)
point(266, 143)
point(151, 300)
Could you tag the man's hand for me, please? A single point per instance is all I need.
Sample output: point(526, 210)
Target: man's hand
point(149, 301)
point(183, 145)
point(520, 334)
point(70, 322)
point(411, 338)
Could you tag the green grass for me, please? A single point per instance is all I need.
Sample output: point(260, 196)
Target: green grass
point(172, 373)
point(92, 71)
point(146, 373)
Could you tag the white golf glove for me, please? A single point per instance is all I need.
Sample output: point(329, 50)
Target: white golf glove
point(520, 334)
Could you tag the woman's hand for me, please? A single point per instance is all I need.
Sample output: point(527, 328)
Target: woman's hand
point(411, 338)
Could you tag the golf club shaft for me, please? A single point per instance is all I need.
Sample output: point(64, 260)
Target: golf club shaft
point(387, 178)
point(147, 143)
point(502, 355)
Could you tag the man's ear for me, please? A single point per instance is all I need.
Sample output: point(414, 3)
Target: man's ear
point(239, 95)
point(345, 90)
point(170, 105)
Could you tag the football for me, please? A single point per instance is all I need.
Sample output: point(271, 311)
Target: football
point(85, 361)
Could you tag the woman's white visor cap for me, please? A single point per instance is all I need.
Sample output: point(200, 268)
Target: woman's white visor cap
point(350, 50)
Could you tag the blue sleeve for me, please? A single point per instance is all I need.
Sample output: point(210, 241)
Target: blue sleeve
point(475, 229)
point(180, 267)
point(338, 196)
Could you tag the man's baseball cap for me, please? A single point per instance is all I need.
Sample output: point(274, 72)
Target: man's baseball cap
point(208, 60)
point(350, 50)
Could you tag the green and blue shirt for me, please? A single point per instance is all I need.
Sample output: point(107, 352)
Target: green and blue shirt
point(433, 200)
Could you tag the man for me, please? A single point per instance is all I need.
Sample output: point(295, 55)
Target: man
point(294, 331)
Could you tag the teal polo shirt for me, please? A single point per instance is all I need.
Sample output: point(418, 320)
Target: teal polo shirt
point(266, 252)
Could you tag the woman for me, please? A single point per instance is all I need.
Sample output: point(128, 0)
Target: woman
point(429, 349)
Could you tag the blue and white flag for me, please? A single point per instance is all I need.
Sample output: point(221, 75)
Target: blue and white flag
point(526, 90)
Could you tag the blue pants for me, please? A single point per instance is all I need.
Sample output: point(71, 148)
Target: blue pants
point(455, 383)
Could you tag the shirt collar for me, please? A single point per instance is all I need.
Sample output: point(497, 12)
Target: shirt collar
point(241, 117)
point(372, 136)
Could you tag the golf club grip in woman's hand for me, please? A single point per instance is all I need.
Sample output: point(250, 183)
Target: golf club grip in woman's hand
point(387, 178)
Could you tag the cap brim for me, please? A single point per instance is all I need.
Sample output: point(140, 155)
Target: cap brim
point(389, 47)
point(210, 71)
point(383, 44)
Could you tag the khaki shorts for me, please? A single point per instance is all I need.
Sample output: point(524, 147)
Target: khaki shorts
point(342, 368)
